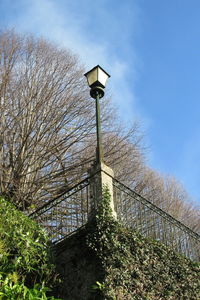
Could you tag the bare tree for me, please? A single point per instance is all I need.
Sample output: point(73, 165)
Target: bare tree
point(47, 122)
point(44, 112)
point(47, 131)
point(168, 194)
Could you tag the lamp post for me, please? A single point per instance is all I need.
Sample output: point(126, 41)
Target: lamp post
point(102, 174)
point(96, 79)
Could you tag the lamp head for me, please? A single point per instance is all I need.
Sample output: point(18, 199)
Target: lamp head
point(96, 79)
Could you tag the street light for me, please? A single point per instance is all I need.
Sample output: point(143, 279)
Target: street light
point(96, 79)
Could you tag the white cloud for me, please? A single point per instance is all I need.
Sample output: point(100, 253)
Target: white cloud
point(91, 31)
point(97, 34)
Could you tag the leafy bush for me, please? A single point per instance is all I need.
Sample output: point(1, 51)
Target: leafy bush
point(25, 260)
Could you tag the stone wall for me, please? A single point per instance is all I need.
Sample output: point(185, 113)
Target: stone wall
point(79, 268)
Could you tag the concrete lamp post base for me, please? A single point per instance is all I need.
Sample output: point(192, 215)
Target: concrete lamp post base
point(102, 176)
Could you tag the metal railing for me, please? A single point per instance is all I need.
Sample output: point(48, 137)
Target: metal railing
point(70, 211)
point(136, 212)
point(65, 214)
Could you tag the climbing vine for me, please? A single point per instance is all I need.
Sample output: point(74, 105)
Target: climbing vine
point(138, 268)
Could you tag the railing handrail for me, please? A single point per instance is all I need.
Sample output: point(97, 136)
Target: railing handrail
point(70, 216)
point(160, 211)
point(48, 204)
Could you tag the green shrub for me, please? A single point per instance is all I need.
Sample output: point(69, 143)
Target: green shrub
point(25, 259)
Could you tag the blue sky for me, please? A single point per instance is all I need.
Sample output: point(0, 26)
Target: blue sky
point(151, 48)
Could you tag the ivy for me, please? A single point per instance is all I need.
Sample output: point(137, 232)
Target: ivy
point(135, 267)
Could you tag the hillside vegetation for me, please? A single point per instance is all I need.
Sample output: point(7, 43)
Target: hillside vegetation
point(25, 262)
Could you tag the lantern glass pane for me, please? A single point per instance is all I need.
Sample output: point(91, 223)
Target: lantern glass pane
point(92, 77)
point(102, 77)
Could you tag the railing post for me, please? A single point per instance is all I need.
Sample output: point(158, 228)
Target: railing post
point(101, 175)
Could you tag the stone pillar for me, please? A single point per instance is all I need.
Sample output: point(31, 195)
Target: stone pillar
point(101, 175)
